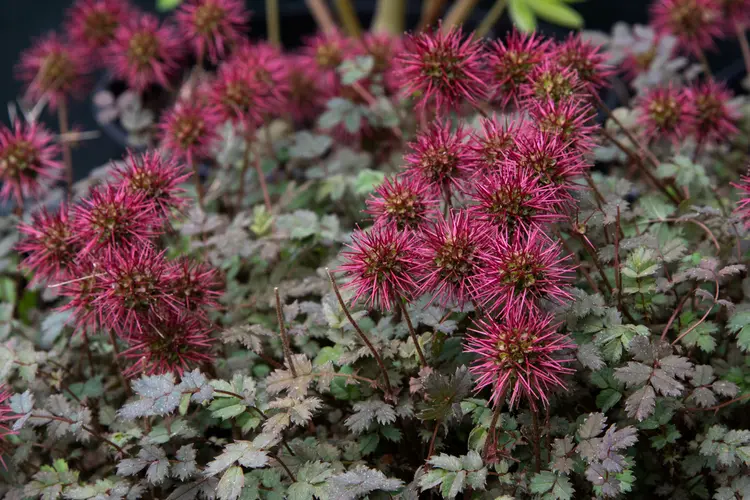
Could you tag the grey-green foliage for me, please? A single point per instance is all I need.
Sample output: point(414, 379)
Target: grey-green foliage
point(453, 474)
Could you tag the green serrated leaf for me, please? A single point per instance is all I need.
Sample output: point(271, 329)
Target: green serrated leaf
point(607, 399)
point(231, 483)
point(656, 207)
point(368, 443)
point(391, 433)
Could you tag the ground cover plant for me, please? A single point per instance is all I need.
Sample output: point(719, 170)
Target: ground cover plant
point(385, 265)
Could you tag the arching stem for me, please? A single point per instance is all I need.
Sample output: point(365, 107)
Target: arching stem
point(412, 332)
point(362, 336)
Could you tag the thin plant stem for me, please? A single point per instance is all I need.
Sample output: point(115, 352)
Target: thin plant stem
point(618, 277)
point(348, 17)
point(116, 350)
point(262, 181)
point(283, 465)
point(643, 168)
point(744, 45)
point(448, 199)
point(87, 346)
point(268, 359)
point(371, 101)
point(273, 24)
point(703, 318)
point(322, 15)
point(198, 184)
point(597, 263)
point(243, 173)
point(85, 428)
point(413, 333)
point(262, 417)
point(693, 221)
point(284, 336)
point(676, 197)
point(537, 438)
point(492, 17)
point(269, 141)
point(431, 450)
point(74, 136)
point(390, 16)
point(698, 148)
point(600, 201)
point(62, 118)
point(722, 405)
point(570, 251)
point(459, 12)
point(676, 311)
point(704, 62)
point(430, 12)
point(602, 106)
point(361, 334)
point(492, 433)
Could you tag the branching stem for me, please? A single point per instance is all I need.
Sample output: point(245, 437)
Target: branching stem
point(284, 336)
point(362, 336)
point(62, 117)
point(431, 450)
point(412, 332)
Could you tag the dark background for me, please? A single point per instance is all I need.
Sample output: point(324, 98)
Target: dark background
point(22, 20)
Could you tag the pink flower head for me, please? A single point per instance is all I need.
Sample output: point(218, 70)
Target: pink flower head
point(54, 69)
point(695, 23)
point(521, 354)
point(381, 264)
point(27, 161)
point(403, 201)
point(383, 48)
point(570, 122)
point(157, 178)
point(514, 199)
point(305, 98)
point(521, 269)
point(511, 62)
point(444, 69)
point(83, 287)
point(322, 55)
point(585, 58)
point(664, 112)
point(135, 289)
point(114, 216)
point(6, 415)
point(237, 95)
point(715, 119)
point(91, 24)
point(48, 245)
point(176, 343)
point(553, 161)
point(194, 284)
point(489, 149)
point(189, 129)
point(145, 52)
point(736, 11)
point(213, 27)
point(448, 254)
point(268, 65)
point(646, 46)
point(439, 157)
point(551, 81)
point(742, 210)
